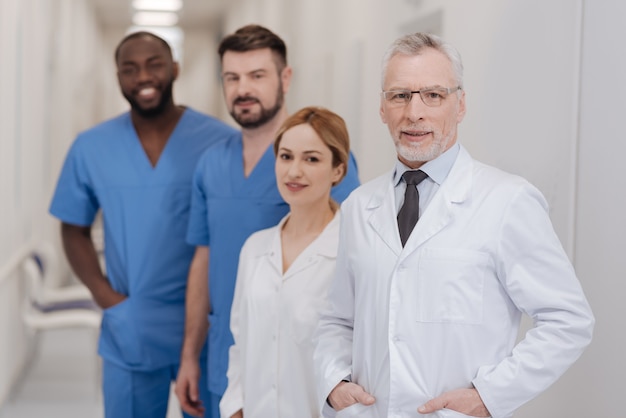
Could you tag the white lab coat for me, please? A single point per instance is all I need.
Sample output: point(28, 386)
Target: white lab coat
point(443, 313)
point(273, 318)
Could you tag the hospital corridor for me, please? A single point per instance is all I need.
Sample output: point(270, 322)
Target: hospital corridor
point(545, 100)
point(61, 379)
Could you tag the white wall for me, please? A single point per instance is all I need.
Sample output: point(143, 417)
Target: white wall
point(198, 85)
point(49, 60)
point(21, 171)
point(600, 203)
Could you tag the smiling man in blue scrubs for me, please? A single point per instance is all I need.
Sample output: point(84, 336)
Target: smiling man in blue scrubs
point(137, 169)
point(234, 195)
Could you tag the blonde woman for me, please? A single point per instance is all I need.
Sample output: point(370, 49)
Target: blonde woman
point(284, 274)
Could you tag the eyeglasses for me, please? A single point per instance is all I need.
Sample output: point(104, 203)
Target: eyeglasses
point(431, 97)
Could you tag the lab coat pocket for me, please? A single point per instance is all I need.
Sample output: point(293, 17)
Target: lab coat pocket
point(357, 410)
point(450, 285)
point(303, 322)
point(306, 298)
point(120, 337)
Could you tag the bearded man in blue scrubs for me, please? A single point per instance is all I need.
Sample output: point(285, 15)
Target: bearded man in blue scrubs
point(235, 194)
point(137, 169)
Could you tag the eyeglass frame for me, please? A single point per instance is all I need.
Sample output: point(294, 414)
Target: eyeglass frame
point(448, 90)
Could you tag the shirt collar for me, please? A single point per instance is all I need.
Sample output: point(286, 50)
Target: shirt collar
point(436, 169)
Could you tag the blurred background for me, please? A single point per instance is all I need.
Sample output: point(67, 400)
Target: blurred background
point(545, 99)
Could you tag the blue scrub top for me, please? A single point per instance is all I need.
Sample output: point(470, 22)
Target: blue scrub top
point(226, 209)
point(145, 213)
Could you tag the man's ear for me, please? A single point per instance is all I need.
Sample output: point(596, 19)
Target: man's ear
point(382, 112)
point(461, 113)
point(175, 70)
point(285, 76)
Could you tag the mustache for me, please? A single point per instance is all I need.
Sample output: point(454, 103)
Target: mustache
point(243, 99)
point(416, 127)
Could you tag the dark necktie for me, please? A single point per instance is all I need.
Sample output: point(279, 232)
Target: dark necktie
point(409, 212)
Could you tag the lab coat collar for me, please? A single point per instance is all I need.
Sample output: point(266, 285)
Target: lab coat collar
point(455, 189)
point(437, 169)
point(325, 245)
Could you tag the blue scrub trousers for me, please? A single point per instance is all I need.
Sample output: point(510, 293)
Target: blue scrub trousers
point(145, 394)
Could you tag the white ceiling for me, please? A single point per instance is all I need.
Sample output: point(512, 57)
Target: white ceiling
point(118, 13)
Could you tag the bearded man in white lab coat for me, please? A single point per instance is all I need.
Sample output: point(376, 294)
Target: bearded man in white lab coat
point(427, 327)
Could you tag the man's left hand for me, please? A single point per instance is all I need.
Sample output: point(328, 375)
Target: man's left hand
point(465, 401)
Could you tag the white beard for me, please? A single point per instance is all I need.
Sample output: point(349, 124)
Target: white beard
point(415, 152)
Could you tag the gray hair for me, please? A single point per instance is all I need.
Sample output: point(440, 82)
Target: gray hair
point(415, 43)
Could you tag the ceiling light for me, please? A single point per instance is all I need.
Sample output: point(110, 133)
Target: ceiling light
point(155, 19)
point(158, 5)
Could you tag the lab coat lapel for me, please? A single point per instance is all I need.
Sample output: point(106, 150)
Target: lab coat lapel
point(440, 211)
point(382, 217)
point(273, 252)
point(325, 245)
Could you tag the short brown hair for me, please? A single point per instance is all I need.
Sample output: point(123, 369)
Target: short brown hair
point(329, 126)
point(251, 37)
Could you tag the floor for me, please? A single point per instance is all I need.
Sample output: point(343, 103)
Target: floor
point(63, 379)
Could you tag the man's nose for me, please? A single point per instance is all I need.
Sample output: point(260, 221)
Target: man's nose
point(243, 87)
point(416, 108)
point(143, 74)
